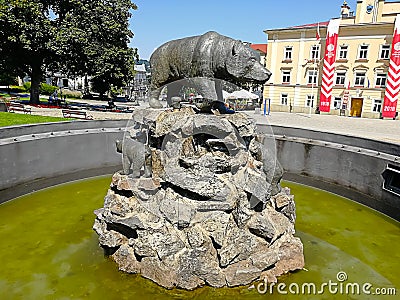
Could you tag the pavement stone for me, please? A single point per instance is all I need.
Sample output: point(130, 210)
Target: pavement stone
point(382, 130)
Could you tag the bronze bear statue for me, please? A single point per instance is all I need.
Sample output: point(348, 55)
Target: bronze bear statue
point(209, 56)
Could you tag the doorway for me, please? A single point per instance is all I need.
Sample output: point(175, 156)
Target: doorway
point(356, 107)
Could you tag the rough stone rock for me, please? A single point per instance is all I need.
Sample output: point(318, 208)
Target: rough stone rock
point(116, 204)
point(126, 259)
point(167, 122)
point(237, 245)
point(154, 269)
point(215, 223)
point(264, 257)
point(270, 224)
point(211, 212)
point(282, 200)
point(290, 253)
point(243, 124)
point(111, 239)
point(178, 211)
point(156, 163)
point(241, 273)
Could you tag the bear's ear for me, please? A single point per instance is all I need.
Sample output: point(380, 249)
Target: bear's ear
point(234, 63)
point(236, 47)
point(233, 49)
point(118, 145)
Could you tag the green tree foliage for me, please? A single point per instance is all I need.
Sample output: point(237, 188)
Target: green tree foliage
point(79, 37)
point(7, 78)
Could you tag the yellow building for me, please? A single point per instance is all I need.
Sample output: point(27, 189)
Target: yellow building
point(295, 59)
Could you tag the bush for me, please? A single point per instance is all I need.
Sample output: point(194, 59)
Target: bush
point(72, 94)
point(47, 89)
point(27, 86)
point(17, 89)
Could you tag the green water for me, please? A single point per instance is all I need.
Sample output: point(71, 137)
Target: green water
point(49, 251)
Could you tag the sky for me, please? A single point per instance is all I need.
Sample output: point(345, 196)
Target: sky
point(156, 21)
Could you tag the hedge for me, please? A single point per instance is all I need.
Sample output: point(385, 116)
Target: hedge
point(45, 89)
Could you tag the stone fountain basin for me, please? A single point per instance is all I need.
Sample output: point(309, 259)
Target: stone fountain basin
point(349, 166)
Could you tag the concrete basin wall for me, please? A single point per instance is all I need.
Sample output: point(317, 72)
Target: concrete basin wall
point(346, 165)
point(41, 155)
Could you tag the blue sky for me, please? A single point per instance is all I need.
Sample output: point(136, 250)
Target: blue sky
point(156, 22)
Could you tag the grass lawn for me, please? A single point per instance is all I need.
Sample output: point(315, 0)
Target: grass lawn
point(9, 119)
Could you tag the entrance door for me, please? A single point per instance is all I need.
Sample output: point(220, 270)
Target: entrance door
point(356, 107)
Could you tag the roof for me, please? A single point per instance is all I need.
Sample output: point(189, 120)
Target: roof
point(260, 47)
point(325, 23)
point(305, 26)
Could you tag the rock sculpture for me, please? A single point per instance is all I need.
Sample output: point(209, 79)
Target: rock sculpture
point(210, 56)
point(212, 212)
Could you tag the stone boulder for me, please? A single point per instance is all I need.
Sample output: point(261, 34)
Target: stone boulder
point(211, 212)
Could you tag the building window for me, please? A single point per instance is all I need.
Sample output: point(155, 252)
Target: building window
point(377, 105)
point(385, 52)
point(310, 101)
point(288, 53)
point(380, 80)
point(286, 77)
point(284, 99)
point(343, 51)
point(336, 102)
point(312, 77)
point(359, 79)
point(314, 52)
point(340, 77)
point(363, 52)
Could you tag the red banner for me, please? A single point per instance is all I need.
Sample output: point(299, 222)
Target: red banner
point(393, 78)
point(328, 73)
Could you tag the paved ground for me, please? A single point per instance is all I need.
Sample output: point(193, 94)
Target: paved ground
point(385, 130)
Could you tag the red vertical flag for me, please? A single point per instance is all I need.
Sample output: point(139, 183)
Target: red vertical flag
point(393, 78)
point(328, 71)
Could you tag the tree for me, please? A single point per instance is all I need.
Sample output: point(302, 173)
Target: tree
point(7, 76)
point(79, 37)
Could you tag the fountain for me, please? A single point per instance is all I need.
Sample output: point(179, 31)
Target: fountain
point(52, 252)
point(207, 207)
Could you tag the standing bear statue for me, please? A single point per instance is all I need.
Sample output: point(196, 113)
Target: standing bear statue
point(204, 61)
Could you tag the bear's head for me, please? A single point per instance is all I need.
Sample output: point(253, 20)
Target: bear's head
point(243, 65)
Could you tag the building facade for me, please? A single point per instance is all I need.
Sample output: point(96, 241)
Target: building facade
point(295, 58)
point(262, 51)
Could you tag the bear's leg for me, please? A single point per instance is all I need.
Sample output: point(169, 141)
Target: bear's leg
point(174, 89)
point(154, 96)
point(147, 163)
point(206, 88)
point(137, 165)
point(126, 164)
